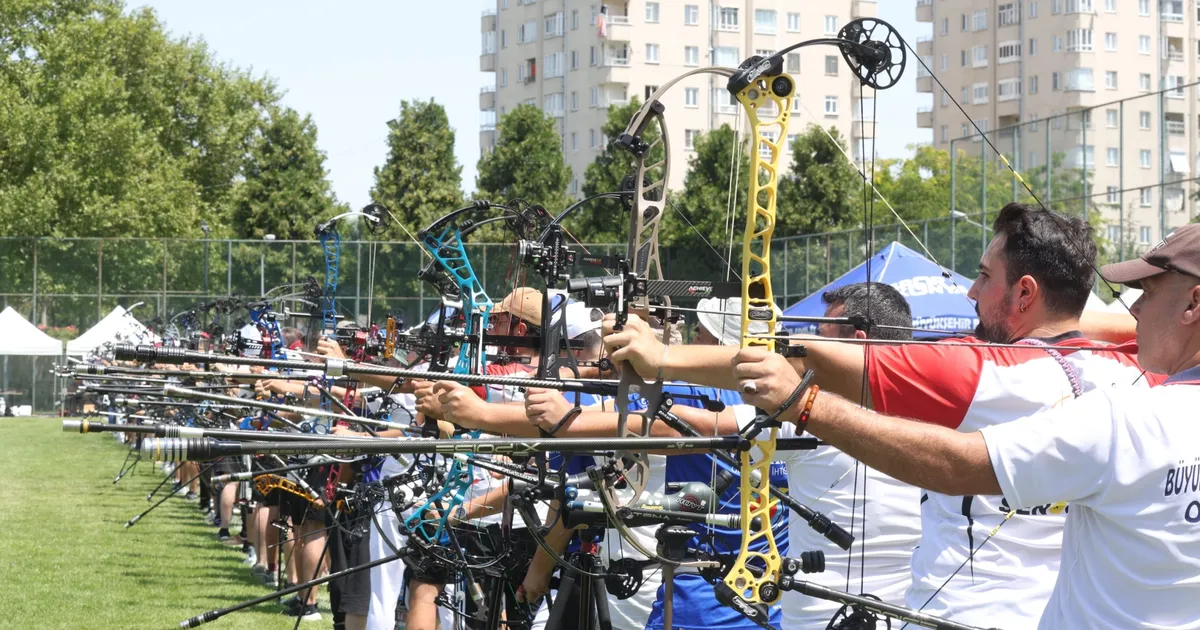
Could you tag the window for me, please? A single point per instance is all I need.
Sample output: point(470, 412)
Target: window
point(966, 22)
point(503, 77)
point(555, 25)
point(527, 72)
point(1008, 89)
point(1033, 160)
point(594, 97)
point(1111, 118)
point(1144, 82)
point(1032, 10)
point(1055, 7)
point(1112, 156)
point(1007, 15)
point(964, 131)
point(1144, 7)
point(1110, 6)
point(1084, 156)
point(979, 20)
point(1145, 197)
point(979, 93)
point(793, 22)
point(831, 65)
point(831, 106)
point(1032, 47)
point(1033, 84)
point(979, 56)
point(574, 101)
point(791, 139)
point(691, 14)
point(965, 97)
point(574, 59)
point(691, 55)
point(1144, 158)
point(963, 58)
point(1110, 79)
point(527, 32)
point(651, 11)
point(1055, 43)
point(1079, 6)
point(553, 104)
point(1113, 195)
point(796, 105)
point(831, 25)
point(1110, 42)
point(1055, 82)
point(593, 56)
point(649, 91)
point(793, 62)
point(651, 53)
point(944, 62)
point(591, 138)
point(1080, 80)
point(728, 56)
point(945, 99)
point(691, 97)
point(1079, 40)
point(689, 138)
point(765, 21)
point(503, 38)
point(1144, 235)
point(575, 20)
point(945, 26)
point(1144, 44)
point(1175, 84)
point(1008, 52)
point(945, 133)
point(727, 19)
point(1144, 120)
point(555, 65)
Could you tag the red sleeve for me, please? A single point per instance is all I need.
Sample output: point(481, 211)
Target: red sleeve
point(929, 382)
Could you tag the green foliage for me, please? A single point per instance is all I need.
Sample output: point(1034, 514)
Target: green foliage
point(112, 128)
point(285, 192)
point(421, 180)
point(606, 221)
point(821, 190)
point(526, 163)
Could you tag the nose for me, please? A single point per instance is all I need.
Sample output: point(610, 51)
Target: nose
point(972, 293)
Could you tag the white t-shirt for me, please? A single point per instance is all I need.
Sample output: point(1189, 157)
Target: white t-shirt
point(632, 613)
point(1128, 462)
point(1008, 581)
point(883, 515)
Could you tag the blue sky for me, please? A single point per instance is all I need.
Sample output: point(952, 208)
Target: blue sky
point(349, 64)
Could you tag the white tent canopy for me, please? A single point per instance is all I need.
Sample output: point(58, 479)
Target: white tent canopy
point(1094, 303)
point(1128, 296)
point(19, 337)
point(119, 325)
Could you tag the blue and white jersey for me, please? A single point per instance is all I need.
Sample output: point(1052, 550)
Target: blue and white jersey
point(695, 604)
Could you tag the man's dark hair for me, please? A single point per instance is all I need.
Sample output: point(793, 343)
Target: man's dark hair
point(1054, 249)
point(888, 308)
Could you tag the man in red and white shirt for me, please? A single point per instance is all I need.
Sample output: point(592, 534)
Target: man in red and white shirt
point(1034, 280)
point(1126, 459)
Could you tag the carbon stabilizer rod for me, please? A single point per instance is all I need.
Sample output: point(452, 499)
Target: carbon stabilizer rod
point(183, 392)
point(907, 615)
point(177, 431)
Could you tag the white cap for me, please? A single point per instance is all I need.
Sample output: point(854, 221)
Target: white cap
point(582, 319)
point(727, 328)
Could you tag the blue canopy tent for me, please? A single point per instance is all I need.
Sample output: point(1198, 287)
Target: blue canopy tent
point(937, 303)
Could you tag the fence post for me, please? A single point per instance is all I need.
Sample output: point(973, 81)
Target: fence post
point(983, 195)
point(163, 308)
point(953, 207)
point(100, 280)
point(807, 242)
point(1083, 116)
point(33, 316)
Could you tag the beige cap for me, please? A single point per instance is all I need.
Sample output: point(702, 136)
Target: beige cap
point(524, 303)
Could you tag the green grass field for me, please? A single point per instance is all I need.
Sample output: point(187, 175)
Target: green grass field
point(66, 560)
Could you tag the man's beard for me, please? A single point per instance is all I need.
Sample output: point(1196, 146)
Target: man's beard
point(994, 332)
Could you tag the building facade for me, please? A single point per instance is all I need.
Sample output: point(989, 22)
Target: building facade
point(1105, 84)
point(575, 58)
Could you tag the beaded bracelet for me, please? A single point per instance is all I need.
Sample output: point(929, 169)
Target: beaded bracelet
point(808, 405)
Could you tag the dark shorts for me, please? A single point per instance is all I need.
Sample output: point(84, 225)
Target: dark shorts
point(349, 546)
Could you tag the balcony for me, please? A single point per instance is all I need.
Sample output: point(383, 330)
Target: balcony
point(618, 20)
point(487, 97)
point(925, 85)
point(1171, 11)
point(925, 45)
point(925, 117)
point(487, 22)
point(862, 8)
point(615, 61)
point(487, 62)
point(1176, 128)
point(925, 10)
point(487, 140)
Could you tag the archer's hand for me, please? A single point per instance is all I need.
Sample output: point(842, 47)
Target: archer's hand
point(330, 348)
point(341, 430)
point(460, 404)
point(262, 387)
point(635, 343)
point(770, 376)
point(536, 583)
point(427, 399)
point(545, 407)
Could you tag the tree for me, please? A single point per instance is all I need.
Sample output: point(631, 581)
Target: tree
point(606, 221)
point(822, 190)
point(285, 192)
point(526, 163)
point(421, 179)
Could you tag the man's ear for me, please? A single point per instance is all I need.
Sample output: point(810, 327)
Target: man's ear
point(1191, 315)
point(1029, 289)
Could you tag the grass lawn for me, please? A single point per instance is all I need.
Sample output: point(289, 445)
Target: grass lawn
point(66, 560)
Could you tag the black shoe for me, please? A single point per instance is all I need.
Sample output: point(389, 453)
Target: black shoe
point(305, 613)
point(291, 603)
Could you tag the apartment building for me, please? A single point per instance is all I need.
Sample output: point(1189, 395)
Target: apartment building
point(1016, 61)
point(575, 58)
